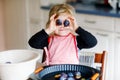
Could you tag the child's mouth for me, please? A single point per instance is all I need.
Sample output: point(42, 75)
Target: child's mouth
point(61, 29)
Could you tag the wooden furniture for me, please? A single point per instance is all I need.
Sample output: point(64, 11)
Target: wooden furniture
point(95, 60)
point(101, 58)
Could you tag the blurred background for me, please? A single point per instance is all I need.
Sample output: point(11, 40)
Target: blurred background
point(20, 19)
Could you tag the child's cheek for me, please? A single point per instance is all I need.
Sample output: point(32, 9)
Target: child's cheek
point(70, 28)
point(56, 31)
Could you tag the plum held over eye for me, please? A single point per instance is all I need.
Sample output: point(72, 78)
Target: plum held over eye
point(66, 23)
point(58, 22)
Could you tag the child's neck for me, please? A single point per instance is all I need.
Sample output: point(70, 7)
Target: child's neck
point(62, 35)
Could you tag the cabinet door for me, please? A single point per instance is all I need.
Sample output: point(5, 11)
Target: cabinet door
point(105, 42)
point(117, 58)
point(117, 25)
point(95, 22)
point(104, 39)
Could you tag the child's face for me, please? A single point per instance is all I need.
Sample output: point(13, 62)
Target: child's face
point(63, 25)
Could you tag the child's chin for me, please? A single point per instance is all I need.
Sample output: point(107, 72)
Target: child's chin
point(64, 34)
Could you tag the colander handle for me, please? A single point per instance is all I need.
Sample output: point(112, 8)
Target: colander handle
point(95, 76)
point(38, 70)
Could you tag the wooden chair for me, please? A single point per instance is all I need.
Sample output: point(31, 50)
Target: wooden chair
point(101, 58)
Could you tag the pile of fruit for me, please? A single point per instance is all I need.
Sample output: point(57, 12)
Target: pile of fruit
point(69, 76)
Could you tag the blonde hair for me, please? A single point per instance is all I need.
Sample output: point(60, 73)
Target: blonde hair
point(59, 9)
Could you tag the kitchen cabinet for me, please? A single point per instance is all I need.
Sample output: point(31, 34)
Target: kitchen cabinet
point(105, 42)
point(117, 50)
point(117, 25)
point(117, 57)
point(103, 29)
point(102, 37)
point(98, 23)
point(95, 22)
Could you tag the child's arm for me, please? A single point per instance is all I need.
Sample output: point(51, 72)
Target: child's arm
point(39, 40)
point(85, 39)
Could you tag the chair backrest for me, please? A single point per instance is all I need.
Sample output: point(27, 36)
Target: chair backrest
point(86, 58)
point(101, 58)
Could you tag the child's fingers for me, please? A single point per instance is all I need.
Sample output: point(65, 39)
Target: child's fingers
point(52, 24)
point(52, 17)
point(74, 22)
point(52, 20)
point(72, 18)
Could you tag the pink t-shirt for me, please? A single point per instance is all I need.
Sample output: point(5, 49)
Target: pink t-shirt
point(62, 50)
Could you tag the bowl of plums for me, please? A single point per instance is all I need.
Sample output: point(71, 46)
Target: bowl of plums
point(68, 72)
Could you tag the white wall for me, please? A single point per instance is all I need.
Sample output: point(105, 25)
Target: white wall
point(2, 42)
point(34, 17)
point(15, 24)
point(22, 20)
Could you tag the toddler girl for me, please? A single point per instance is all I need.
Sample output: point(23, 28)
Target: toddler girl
point(62, 37)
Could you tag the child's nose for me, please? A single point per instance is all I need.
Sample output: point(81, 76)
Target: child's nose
point(62, 25)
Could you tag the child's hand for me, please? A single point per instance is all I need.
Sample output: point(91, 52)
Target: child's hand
point(73, 23)
point(51, 25)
